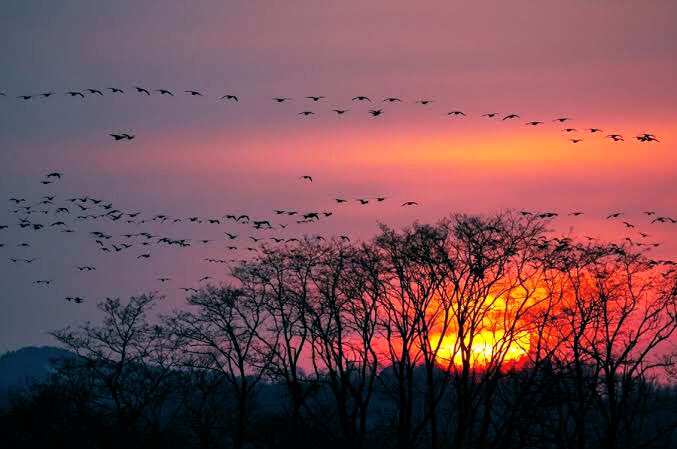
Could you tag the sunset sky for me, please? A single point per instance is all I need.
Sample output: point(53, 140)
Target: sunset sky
point(607, 64)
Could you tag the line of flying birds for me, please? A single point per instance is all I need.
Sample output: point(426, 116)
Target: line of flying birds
point(642, 137)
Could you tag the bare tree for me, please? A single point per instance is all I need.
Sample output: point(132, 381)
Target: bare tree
point(129, 360)
point(222, 336)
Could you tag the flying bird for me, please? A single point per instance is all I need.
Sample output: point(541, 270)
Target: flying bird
point(511, 116)
point(193, 93)
point(164, 92)
point(141, 90)
point(376, 112)
point(75, 94)
point(410, 203)
point(361, 98)
point(315, 98)
point(307, 178)
point(229, 97)
point(95, 91)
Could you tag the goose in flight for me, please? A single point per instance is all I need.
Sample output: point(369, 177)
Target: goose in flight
point(424, 102)
point(576, 214)
point(561, 119)
point(647, 138)
point(229, 97)
point(456, 113)
point(315, 98)
point(615, 137)
point(376, 112)
point(490, 114)
point(75, 94)
point(231, 236)
point(25, 97)
point(361, 98)
point(164, 92)
point(306, 113)
point(614, 215)
point(344, 238)
point(281, 99)
point(534, 123)
point(95, 91)
point(122, 136)
point(47, 94)
point(594, 130)
point(340, 200)
point(340, 111)
point(163, 280)
point(144, 256)
point(363, 201)
point(188, 289)
point(306, 178)
point(75, 299)
point(43, 282)
point(576, 140)
point(381, 198)
point(392, 99)
point(141, 90)
point(54, 175)
point(205, 278)
point(409, 203)
point(193, 93)
point(570, 130)
point(511, 116)
point(115, 90)
point(628, 225)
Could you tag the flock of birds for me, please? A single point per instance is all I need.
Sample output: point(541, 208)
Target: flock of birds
point(69, 215)
point(374, 112)
point(242, 233)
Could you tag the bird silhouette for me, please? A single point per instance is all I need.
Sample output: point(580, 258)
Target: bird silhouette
point(376, 112)
point(576, 140)
point(25, 97)
point(392, 99)
point(75, 94)
point(115, 90)
point(594, 130)
point(315, 98)
point(193, 93)
point(306, 113)
point(95, 91)
point(534, 123)
point(490, 114)
point(456, 113)
point(142, 90)
point(306, 178)
point(340, 111)
point(615, 137)
point(410, 203)
point(424, 102)
point(561, 119)
point(511, 116)
point(614, 215)
point(164, 92)
point(281, 99)
point(340, 200)
point(229, 97)
point(361, 98)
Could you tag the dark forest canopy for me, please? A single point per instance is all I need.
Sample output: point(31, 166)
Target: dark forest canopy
point(474, 332)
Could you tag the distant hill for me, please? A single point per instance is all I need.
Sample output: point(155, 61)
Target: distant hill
point(26, 365)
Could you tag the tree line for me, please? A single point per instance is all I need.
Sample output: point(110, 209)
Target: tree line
point(474, 332)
